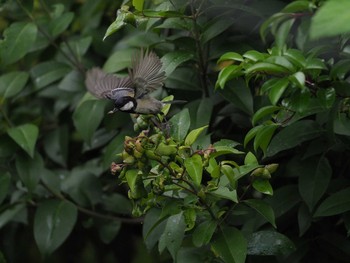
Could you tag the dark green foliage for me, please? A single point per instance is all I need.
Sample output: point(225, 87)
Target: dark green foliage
point(253, 168)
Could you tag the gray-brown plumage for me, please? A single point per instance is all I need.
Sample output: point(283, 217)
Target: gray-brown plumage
point(130, 94)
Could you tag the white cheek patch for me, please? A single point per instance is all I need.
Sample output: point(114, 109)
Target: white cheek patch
point(127, 106)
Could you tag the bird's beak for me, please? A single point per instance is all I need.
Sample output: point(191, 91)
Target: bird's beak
point(113, 111)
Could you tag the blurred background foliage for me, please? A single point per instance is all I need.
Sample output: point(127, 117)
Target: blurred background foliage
point(272, 75)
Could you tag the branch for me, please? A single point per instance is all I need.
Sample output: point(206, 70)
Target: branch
point(93, 213)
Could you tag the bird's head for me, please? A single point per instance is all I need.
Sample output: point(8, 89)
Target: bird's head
point(126, 104)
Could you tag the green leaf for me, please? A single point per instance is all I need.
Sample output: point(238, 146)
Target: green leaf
point(113, 148)
point(229, 172)
point(239, 95)
point(48, 72)
point(335, 204)
point(263, 186)
point(226, 143)
point(10, 213)
point(244, 169)
point(83, 186)
point(117, 203)
point(215, 28)
point(296, 57)
point(84, 113)
point(173, 235)
point(225, 193)
point(298, 79)
point(331, 19)
point(176, 23)
point(131, 178)
point(213, 168)
point(194, 168)
point(254, 55)
point(326, 97)
point(30, 170)
point(267, 68)
point(230, 245)
point(77, 47)
point(25, 136)
point(173, 59)
point(119, 60)
point(283, 33)
point(193, 135)
point(119, 22)
point(12, 83)
point(230, 56)
point(18, 40)
point(264, 111)
point(221, 150)
point(263, 136)
point(166, 108)
point(269, 243)
point(314, 179)
point(60, 23)
point(201, 112)
point(316, 63)
point(293, 135)
point(183, 79)
point(179, 124)
point(153, 227)
point(274, 19)
point(203, 233)
point(108, 230)
point(56, 145)
point(262, 208)
point(251, 134)
point(5, 179)
point(73, 82)
point(297, 6)
point(341, 124)
point(163, 14)
point(250, 158)
point(138, 4)
point(53, 222)
point(280, 60)
point(226, 74)
point(190, 216)
point(277, 89)
point(284, 199)
point(304, 219)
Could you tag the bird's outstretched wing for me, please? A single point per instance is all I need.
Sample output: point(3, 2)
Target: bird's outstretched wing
point(146, 73)
point(104, 85)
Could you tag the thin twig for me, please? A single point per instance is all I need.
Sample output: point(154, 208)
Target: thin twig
point(74, 61)
point(93, 213)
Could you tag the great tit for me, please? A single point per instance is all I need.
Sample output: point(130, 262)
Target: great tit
point(130, 94)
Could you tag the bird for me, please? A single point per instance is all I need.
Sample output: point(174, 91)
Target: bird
point(131, 93)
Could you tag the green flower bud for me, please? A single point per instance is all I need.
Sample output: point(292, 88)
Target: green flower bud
point(257, 172)
point(137, 154)
point(272, 167)
point(151, 155)
point(127, 158)
point(155, 138)
point(266, 174)
point(166, 150)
